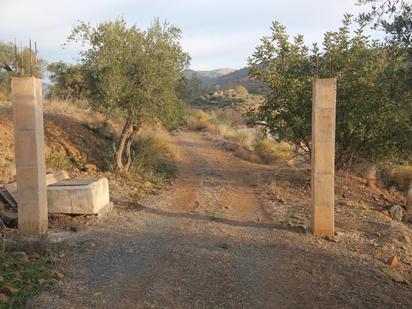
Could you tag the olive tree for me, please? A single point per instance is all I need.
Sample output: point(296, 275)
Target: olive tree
point(67, 81)
point(133, 71)
point(374, 113)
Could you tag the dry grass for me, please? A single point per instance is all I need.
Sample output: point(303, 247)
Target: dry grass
point(7, 171)
point(197, 120)
point(154, 156)
point(66, 107)
point(272, 153)
point(230, 116)
point(227, 126)
point(399, 176)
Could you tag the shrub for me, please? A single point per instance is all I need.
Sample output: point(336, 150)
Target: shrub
point(219, 130)
point(230, 116)
point(269, 152)
point(197, 120)
point(398, 176)
point(154, 157)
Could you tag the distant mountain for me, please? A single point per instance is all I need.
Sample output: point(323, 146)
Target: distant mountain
point(227, 78)
point(206, 76)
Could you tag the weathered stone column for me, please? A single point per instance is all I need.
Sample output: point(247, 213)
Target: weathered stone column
point(323, 156)
point(29, 155)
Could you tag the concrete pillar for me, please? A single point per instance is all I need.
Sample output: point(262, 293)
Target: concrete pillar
point(29, 155)
point(323, 156)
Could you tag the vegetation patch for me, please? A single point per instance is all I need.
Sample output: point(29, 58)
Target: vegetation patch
point(25, 268)
point(399, 176)
point(269, 152)
point(154, 163)
point(229, 126)
point(197, 120)
point(154, 154)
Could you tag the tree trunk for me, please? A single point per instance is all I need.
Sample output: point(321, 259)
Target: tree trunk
point(127, 130)
point(129, 146)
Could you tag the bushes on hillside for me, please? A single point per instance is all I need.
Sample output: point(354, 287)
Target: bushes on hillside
point(269, 152)
point(247, 143)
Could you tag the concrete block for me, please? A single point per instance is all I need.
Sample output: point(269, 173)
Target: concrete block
point(56, 177)
point(78, 196)
point(50, 179)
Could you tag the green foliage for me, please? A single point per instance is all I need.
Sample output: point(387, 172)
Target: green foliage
point(237, 97)
point(8, 58)
point(132, 70)
point(25, 277)
point(135, 72)
point(374, 107)
point(189, 88)
point(67, 79)
point(393, 16)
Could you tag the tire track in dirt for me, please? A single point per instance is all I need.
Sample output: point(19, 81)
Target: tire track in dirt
point(213, 182)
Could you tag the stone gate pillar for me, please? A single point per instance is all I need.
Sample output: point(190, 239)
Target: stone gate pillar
point(323, 156)
point(29, 155)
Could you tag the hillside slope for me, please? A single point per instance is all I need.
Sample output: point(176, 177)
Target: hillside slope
point(73, 139)
point(207, 75)
point(223, 79)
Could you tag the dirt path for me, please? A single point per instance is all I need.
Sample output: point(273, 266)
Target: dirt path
point(211, 241)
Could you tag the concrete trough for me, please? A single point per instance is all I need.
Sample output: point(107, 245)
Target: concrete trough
point(73, 196)
point(79, 196)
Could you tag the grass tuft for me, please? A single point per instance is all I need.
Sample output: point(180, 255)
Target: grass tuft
point(270, 153)
point(154, 159)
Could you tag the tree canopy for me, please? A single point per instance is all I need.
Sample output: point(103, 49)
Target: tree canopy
point(133, 71)
point(392, 16)
point(374, 106)
point(67, 81)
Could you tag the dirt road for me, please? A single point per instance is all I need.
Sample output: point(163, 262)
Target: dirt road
point(212, 241)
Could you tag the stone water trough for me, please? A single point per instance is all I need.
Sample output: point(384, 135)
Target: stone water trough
point(74, 196)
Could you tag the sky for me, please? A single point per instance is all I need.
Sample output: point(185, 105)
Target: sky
point(216, 33)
